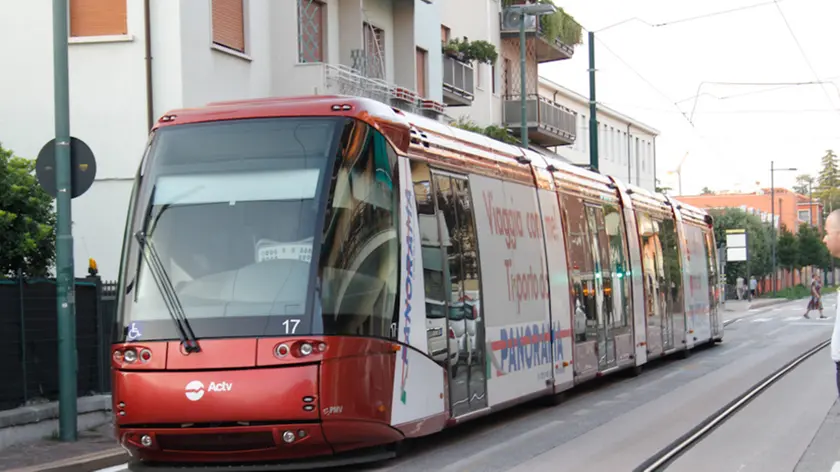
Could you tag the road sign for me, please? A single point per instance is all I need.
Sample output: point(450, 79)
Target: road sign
point(83, 167)
point(736, 245)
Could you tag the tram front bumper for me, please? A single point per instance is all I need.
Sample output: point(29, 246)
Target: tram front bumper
point(294, 445)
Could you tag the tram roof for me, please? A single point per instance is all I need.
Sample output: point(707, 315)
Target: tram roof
point(405, 130)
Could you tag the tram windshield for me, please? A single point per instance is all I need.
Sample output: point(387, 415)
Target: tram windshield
point(238, 213)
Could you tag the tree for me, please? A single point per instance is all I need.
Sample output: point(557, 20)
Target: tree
point(804, 184)
point(27, 219)
point(495, 132)
point(812, 252)
point(758, 241)
point(828, 182)
point(787, 249)
point(707, 191)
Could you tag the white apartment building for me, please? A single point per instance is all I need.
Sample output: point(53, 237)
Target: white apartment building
point(626, 147)
point(131, 60)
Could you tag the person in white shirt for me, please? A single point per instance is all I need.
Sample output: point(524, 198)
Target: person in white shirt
point(832, 242)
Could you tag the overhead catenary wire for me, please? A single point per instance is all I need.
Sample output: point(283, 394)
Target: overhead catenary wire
point(802, 52)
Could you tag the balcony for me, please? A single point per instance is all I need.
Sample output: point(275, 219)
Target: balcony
point(332, 79)
point(548, 123)
point(458, 82)
point(547, 50)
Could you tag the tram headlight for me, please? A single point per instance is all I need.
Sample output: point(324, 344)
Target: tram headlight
point(305, 349)
point(130, 356)
point(146, 440)
point(281, 350)
point(288, 437)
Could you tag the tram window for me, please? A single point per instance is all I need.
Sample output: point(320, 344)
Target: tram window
point(671, 265)
point(651, 256)
point(600, 248)
point(359, 262)
point(582, 267)
point(618, 250)
point(447, 205)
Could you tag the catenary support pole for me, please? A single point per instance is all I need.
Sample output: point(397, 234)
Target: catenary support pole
point(593, 107)
point(66, 305)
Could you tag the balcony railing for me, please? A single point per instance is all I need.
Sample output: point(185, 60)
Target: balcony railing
point(343, 80)
point(549, 124)
point(458, 82)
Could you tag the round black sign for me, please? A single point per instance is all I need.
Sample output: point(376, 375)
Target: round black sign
point(82, 171)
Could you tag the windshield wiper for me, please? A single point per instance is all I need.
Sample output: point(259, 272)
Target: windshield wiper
point(167, 290)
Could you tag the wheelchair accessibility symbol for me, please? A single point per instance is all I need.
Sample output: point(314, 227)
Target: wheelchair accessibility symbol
point(133, 333)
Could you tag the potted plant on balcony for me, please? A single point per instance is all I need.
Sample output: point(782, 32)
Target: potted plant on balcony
point(471, 51)
point(558, 25)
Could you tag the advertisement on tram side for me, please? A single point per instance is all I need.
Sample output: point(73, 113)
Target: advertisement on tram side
point(418, 381)
point(521, 356)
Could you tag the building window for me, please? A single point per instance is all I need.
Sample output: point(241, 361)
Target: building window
point(493, 79)
point(229, 24)
point(375, 51)
point(98, 18)
point(422, 58)
point(445, 34)
point(311, 21)
point(804, 216)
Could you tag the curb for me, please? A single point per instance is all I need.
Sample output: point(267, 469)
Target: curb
point(775, 301)
point(85, 463)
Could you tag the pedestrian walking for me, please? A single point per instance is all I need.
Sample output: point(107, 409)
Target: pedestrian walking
point(832, 242)
point(815, 303)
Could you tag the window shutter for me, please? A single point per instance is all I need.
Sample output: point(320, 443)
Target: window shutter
point(229, 24)
point(97, 18)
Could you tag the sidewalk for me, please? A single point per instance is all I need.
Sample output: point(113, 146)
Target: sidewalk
point(823, 453)
point(95, 449)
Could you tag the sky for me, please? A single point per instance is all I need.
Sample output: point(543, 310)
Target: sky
point(653, 74)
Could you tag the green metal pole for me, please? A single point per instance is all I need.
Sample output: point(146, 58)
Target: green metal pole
point(523, 99)
point(593, 108)
point(66, 302)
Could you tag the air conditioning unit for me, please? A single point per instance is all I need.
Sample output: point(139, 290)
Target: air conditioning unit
point(511, 19)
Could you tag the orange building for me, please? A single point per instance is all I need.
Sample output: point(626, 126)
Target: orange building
point(792, 209)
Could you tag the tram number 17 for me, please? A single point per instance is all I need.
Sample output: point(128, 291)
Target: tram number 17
point(291, 326)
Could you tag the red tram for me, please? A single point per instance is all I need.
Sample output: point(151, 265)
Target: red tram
point(313, 280)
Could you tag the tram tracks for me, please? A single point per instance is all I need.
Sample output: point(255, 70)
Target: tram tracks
point(666, 456)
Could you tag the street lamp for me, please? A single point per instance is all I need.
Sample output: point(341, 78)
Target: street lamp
point(773, 219)
point(535, 9)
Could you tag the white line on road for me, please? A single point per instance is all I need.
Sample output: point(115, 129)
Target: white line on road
point(116, 468)
point(836, 467)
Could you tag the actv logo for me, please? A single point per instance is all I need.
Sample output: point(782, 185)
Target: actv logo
point(195, 389)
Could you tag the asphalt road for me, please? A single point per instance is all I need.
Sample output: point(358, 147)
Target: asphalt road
point(615, 424)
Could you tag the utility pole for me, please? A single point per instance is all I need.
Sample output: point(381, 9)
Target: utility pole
point(773, 227)
point(593, 107)
point(65, 290)
point(773, 219)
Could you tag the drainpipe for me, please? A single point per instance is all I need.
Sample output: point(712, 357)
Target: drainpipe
point(629, 160)
point(150, 108)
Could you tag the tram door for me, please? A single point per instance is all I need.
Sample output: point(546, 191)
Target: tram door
point(711, 260)
point(603, 287)
point(654, 279)
point(453, 284)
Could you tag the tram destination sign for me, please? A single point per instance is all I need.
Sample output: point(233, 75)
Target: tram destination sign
point(736, 245)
